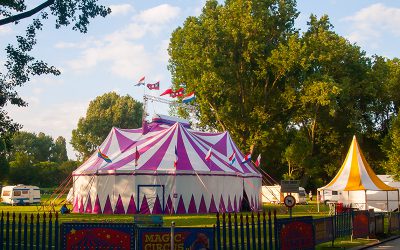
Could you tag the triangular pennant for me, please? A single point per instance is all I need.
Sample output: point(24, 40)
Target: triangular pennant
point(213, 207)
point(235, 207)
point(97, 206)
point(202, 206)
point(169, 207)
point(107, 206)
point(81, 206)
point(229, 209)
point(192, 206)
point(119, 207)
point(144, 208)
point(157, 209)
point(222, 208)
point(88, 209)
point(132, 206)
point(75, 209)
point(181, 206)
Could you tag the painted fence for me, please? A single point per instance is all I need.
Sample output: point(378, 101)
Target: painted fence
point(33, 231)
point(261, 230)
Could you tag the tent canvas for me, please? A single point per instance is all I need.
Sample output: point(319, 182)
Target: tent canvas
point(359, 185)
point(142, 177)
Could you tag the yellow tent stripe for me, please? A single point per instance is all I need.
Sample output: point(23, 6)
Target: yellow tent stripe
point(354, 182)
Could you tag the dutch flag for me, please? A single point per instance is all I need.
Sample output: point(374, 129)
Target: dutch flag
point(190, 97)
point(246, 158)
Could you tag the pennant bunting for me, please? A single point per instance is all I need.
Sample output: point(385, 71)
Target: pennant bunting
point(257, 163)
point(154, 86)
point(140, 82)
point(190, 97)
point(137, 156)
point(208, 155)
point(103, 156)
point(232, 158)
point(246, 158)
point(166, 92)
point(176, 157)
point(177, 93)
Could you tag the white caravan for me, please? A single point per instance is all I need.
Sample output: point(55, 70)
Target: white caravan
point(20, 195)
point(272, 194)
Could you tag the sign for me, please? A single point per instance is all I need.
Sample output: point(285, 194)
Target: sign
point(360, 224)
point(289, 201)
point(290, 186)
point(323, 230)
point(185, 238)
point(295, 233)
point(97, 236)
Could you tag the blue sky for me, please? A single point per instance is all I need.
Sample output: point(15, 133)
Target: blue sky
point(132, 42)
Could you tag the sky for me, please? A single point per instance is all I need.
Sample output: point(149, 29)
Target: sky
point(132, 42)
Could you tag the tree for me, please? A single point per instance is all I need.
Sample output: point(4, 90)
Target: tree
point(20, 64)
point(4, 166)
point(59, 150)
point(391, 147)
point(104, 112)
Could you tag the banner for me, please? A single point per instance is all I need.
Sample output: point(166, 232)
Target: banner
point(189, 238)
point(323, 230)
point(360, 224)
point(295, 233)
point(97, 236)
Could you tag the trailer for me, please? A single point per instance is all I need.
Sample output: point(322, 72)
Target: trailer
point(20, 195)
point(272, 194)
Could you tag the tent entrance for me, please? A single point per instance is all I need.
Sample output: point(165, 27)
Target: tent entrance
point(147, 196)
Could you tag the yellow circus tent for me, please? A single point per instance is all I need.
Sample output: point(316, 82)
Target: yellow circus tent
point(357, 184)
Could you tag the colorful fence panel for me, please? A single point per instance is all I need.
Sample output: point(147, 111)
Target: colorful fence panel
point(394, 222)
point(324, 230)
point(98, 236)
point(360, 224)
point(295, 233)
point(379, 224)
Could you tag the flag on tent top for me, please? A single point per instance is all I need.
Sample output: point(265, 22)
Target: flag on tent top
point(257, 163)
point(246, 158)
point(232, 158)
point(176, 157)
point(208, 155)
point(103, 156)
point(166, 92)
point(140, 82)
point(177, 93)
point(155, 86)
point(190, 97)
point(137, 156)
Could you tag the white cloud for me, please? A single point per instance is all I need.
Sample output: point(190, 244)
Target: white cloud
point(121, 9)
point(122, 49)
point(370, 24)
point(5, 30)
point(55, 120)
point(158, 15)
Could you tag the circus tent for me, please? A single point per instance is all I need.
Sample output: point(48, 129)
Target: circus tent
point(359, 186)
point(162, 168)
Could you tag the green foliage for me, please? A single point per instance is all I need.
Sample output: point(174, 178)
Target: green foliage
point(296, 98)
point(391, 147)
point(104, 112)
point(20, 65)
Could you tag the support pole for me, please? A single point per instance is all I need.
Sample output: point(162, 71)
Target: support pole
point(318, 200)
point(398, 200)
point(387, 201)
point(173, 235)
point(366, 202)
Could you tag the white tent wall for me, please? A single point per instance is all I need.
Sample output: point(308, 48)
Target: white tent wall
point(126, 186)
point(376, 200)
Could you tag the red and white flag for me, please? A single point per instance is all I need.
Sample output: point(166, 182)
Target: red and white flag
point(208, 155)
point(166, 92)
point(177, 93)
point(176, 158)
point(155, 86)
point(137, 156)
point(257, 163)
point(140, 82)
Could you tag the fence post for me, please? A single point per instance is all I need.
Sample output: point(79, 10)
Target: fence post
point(270, 230)
point(56, 230)
point(31, 234)
point(19, 231)
point(275, 231)
point(247, 232)
point(1, 230)
point(26, 232)
point(13, 232)
point(264, 231)
point(44, 232)
point(172, 235)
point(223, 231)
point(8, 231)
point(253, 230)
point(236, 232)
point(218, 233)
point(50, 241)
point(230, 231)
point(37, 231)
point(241, 231)
point(259, 230)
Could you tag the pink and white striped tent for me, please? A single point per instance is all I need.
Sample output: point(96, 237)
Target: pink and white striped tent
point(152, 183)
